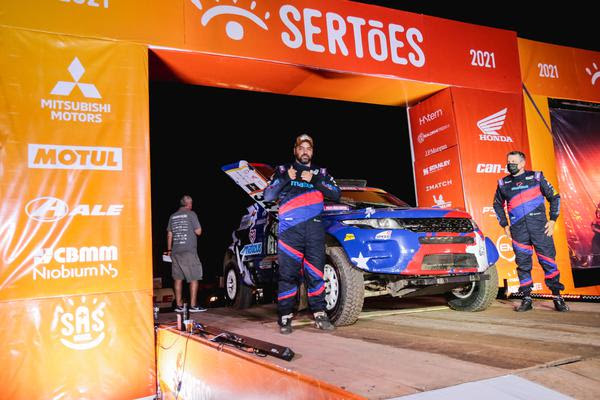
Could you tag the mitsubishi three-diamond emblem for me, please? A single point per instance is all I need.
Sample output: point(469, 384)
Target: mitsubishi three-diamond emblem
point(64, 88)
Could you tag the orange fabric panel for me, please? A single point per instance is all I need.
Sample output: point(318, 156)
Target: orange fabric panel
point(438, 180)
point(559, 71)
point(433, 126)
point(489, 126)
point(75, 210)
point(92, 346)
point(207, 370)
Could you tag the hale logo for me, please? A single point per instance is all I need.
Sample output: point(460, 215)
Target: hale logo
point(234, 29)
point(81, 326)
point(51, 209)
point(491, 125)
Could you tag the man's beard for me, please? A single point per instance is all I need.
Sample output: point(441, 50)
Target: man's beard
point(304, 160)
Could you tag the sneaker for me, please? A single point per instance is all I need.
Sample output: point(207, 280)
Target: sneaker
point(197, 309)
point(178, 309)
point(322, 321)
point(559, 304)
point(285, 324)
point(526, 305)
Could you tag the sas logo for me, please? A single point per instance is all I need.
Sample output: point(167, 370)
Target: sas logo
point(47, 156)
point(75, 111)
point(491, 125)
point(504, 246)
point(51, 209)
point(81, 326)
point(593, 73)
point(349, 236)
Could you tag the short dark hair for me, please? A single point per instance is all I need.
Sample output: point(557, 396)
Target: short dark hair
point(184, 200)
point(517, 153)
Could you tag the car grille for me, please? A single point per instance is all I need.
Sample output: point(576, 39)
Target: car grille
point(440, 262)
point(455, 225)
point(446, 240)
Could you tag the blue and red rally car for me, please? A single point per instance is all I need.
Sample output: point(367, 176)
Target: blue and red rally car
point(376, 245)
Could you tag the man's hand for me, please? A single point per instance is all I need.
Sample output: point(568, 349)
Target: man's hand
point(307, 176)
point(292, 173)
point(507, 231)
point(550, 228)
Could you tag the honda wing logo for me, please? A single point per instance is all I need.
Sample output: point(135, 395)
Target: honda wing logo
point(491, 125)
point(64, 88)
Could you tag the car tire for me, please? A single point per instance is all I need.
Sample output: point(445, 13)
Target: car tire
point(344, 288)
point(478, 296)
point(237, 293)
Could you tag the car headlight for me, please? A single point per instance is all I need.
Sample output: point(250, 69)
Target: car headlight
point(379, 223)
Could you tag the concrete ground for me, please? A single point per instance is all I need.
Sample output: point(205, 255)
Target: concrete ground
point(406, 346)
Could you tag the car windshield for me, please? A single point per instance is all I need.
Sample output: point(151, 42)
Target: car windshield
point(370, 198)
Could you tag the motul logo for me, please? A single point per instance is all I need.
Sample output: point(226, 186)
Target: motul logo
point(490, 169)
point(46, 156)
point(490, 126)
point(51, 209)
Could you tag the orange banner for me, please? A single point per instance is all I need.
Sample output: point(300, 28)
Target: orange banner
point(432, 125)
point(339, 36)
point(190, 367)
point(489, 126)
point(78, 347)
point(560, 72)
point(75, 212)
point(438, 180)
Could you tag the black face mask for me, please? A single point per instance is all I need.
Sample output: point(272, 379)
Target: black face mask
point(512, 168)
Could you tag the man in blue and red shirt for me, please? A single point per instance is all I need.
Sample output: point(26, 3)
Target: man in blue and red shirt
point(300, 188)
point(524, 192)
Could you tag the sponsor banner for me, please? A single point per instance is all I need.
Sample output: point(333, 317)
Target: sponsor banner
point(74, 182)
point(432, 125)
point(335, 35)
point(489, 126)
point(97, 345)
point(438, 180)
point(560, 72)
point(186, 370)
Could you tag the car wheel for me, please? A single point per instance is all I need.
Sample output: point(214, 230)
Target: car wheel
point(344, 288)
point(477, 296)
point(237, 293)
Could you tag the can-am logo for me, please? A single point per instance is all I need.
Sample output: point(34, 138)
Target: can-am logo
point(438, 185)
point(436, 167)
point(47, 156)
point(491, 125)
point(491, 169)
point(51, 209)
point(80, 324)
point(74, 263)
point(424, 119)
point(75, 111)
point(378, 40)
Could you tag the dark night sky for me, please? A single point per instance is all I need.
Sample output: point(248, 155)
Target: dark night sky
point(353, 140)
point(552, 22)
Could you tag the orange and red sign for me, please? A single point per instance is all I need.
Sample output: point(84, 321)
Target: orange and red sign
point(75, 245)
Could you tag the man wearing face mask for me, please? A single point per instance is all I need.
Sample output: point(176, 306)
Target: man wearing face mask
point(300, 188)
point(523, 192)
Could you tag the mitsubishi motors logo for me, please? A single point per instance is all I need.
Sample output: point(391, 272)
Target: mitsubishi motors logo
point(64, 88)
point(67, 108)
point(81, 325)
point(491, 125)
point(234, 29)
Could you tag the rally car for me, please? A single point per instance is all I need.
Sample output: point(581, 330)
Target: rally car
point(376, 245)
